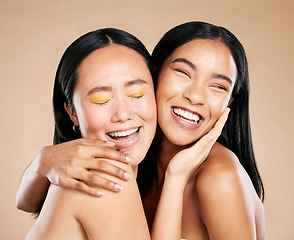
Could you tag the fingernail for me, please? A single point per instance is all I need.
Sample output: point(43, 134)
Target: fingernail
point(127, 159)
point(99, 194)
point(117, 187)
point(127, 176)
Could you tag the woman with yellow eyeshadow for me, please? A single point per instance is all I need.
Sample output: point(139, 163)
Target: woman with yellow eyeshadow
point(202, 70)
point(104, 88)
point(107, 91)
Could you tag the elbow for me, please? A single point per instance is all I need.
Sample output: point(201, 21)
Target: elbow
point(20, 205)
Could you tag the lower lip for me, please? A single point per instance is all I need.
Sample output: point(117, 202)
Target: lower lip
point(126, 144)
point(183, 123)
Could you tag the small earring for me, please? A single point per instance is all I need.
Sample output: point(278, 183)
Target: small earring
point(76, 128)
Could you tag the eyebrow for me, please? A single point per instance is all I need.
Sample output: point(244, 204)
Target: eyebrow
point(99, 89)
point(135, 82)
point(109, 88)
point(220, 76)
point(184, 60)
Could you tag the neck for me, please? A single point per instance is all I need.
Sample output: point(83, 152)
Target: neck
point(167, 150)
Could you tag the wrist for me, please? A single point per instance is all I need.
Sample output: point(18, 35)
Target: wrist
point(39, 165)
point(175, 182)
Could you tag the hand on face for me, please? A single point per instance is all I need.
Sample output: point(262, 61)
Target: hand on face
point(184, 163)
point(194, 88)
point(114, 101)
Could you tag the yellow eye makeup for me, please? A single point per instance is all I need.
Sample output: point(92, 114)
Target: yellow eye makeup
point(100, 98)
point(137, 93)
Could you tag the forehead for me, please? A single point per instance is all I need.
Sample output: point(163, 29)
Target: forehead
point(203, 47)
point(212, 54)
point(112, 64)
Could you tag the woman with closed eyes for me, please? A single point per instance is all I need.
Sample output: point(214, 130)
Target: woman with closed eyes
point(202, 70)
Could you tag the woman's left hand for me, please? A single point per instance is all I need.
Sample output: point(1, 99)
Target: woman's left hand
point(184, 163)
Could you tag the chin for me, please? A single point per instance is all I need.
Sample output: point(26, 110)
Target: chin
point(136, 156)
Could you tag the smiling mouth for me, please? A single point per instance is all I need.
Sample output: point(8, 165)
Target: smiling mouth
point(124, 136)
point(188, 116)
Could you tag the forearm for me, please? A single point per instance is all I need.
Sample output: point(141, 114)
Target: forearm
point(32, 189)
point(168, 219)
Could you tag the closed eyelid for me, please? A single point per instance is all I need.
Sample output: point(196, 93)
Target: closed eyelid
point(100, 98)
point(137, 93)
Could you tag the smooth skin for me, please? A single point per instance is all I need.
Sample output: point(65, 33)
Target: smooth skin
point(109, 88)
point(188, 208)
point(216, 200)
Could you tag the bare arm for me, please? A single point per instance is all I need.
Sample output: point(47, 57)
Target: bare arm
point(33, 188)
point(68, 165)
point(168, 218)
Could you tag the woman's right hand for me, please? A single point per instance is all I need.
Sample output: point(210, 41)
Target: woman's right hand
point(68, 165)
point(184, 163)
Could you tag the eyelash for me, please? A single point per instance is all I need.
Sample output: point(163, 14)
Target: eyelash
point(104, 103)
point(220, 87)
point(138, 97)
point(100, 104)
point(183, 72)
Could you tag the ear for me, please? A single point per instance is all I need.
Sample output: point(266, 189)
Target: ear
point(72, 114)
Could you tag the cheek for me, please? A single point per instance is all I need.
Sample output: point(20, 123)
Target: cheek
point(218, 106)
point(147, 109)
point(167, 88)
point(91, 122)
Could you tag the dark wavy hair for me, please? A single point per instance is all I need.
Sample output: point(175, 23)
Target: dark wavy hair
point(236, 134)
point(66, 75)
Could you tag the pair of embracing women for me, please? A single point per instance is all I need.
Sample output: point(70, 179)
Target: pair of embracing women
point(188, 185)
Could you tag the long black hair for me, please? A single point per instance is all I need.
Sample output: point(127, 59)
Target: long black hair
point(66, 75)
point(236, 134)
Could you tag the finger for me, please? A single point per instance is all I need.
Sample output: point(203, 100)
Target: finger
point(81, 186)
point(108, 153)
point(95, 142)
point(108, 168)
point(93, 179)
point(215, 132)
point(96, 148)
point(207, 141)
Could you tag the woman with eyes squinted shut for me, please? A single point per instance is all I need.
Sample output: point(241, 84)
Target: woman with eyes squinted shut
point(191, 187)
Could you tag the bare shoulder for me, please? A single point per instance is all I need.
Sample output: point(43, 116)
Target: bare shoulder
point(227, 198)
point(223, 173)
point(70, 214)
point(57, 217)
point(115, 214)
point(221, 164)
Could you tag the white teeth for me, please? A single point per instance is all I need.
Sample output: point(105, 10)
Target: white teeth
point(187, 115)
point(123, 133)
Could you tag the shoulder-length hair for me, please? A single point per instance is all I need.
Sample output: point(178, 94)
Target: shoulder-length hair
point(66, 75)
point(236, 134)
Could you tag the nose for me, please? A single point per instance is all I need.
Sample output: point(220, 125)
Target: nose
point(195, 94)
point(121, 111)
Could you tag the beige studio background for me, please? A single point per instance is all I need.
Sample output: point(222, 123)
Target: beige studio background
point(34, 34)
